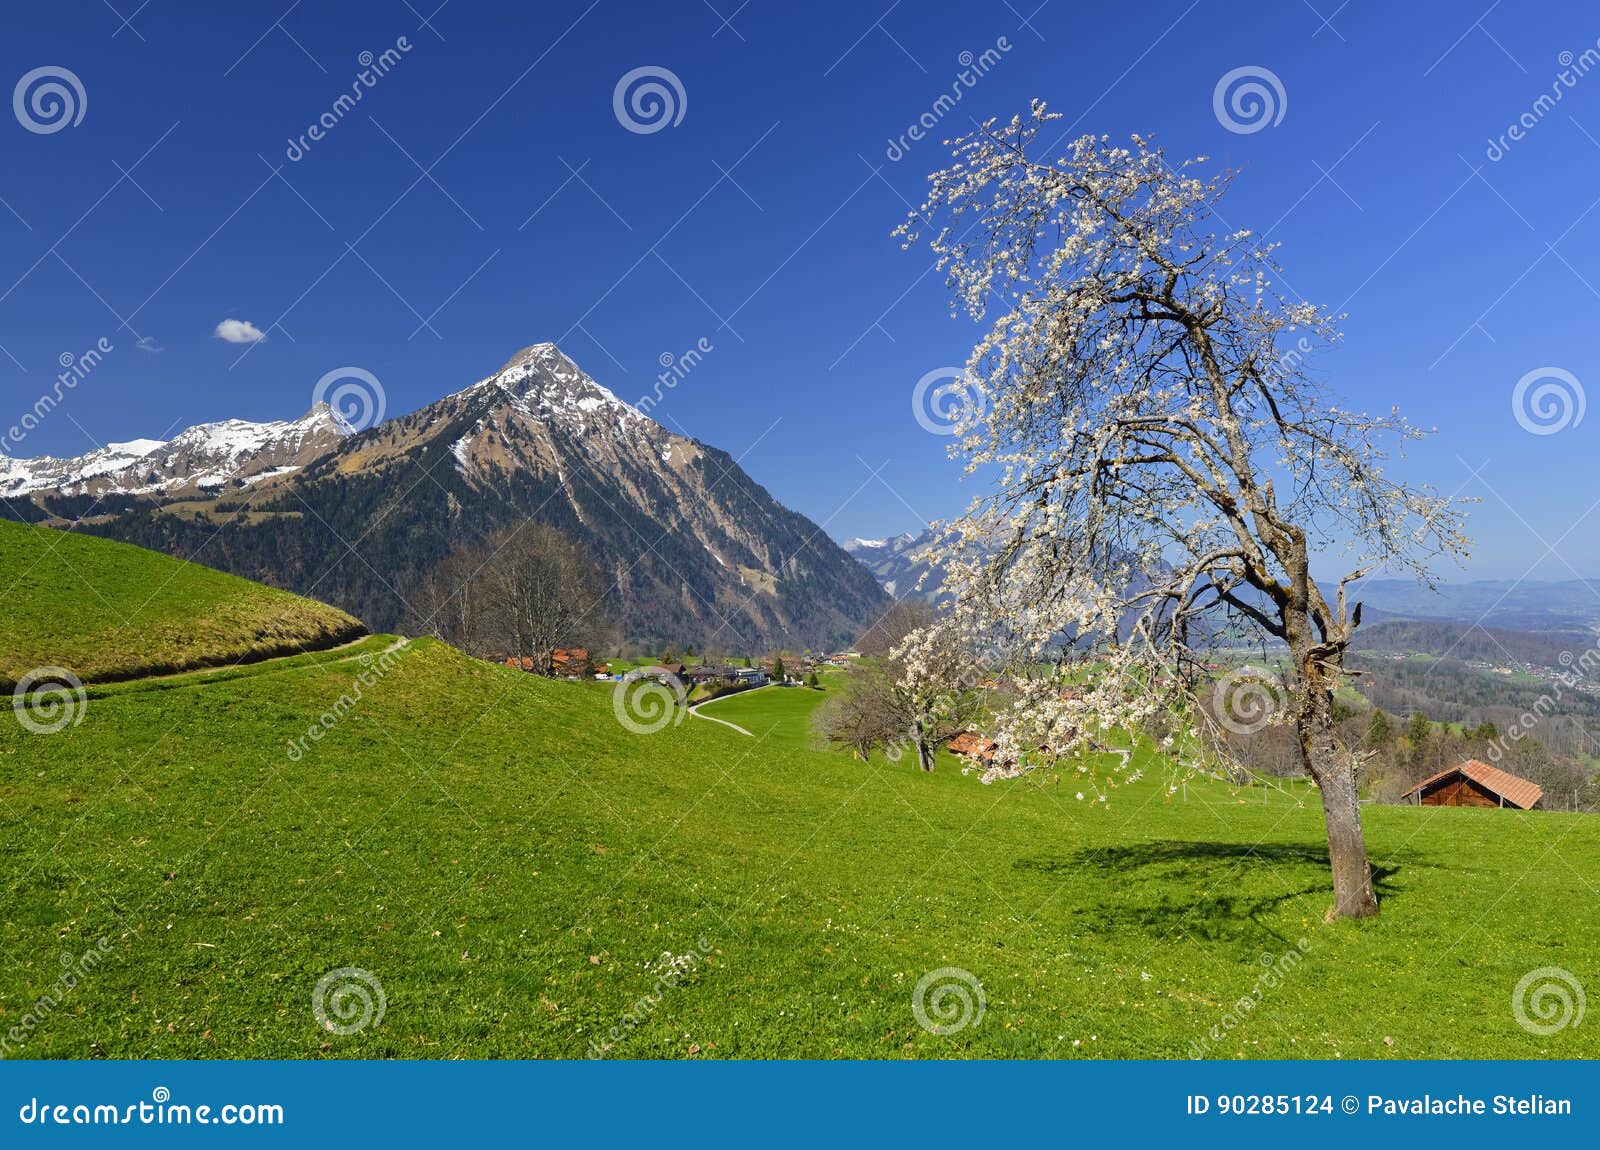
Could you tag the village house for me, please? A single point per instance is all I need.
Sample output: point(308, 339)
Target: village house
point(573, 662)
point(675, 675)
point(973, 747)
point(566, 662)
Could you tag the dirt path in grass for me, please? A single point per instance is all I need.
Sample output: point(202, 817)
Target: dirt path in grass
point(250, 667)
point(694, 709)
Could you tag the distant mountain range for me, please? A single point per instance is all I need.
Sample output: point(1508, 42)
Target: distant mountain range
point(698, 552)
point(1566, 605)
point(899, 564)
point(199, 462)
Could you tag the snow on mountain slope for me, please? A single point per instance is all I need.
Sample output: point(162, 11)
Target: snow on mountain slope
point(199, 460)
point(898, 564)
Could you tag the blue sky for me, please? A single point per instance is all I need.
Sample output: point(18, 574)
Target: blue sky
point(760, 222)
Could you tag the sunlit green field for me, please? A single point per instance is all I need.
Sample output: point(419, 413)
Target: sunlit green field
point(472, 861)
point(779, 716)
point(510, 865)
point(106, 610)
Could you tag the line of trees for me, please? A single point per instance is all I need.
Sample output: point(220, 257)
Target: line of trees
point(526, 592)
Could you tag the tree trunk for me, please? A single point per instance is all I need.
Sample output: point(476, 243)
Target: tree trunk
point(1353, 896)
point(924, 754)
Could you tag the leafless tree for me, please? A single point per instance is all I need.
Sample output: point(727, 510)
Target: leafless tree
point(857, 715)
point(528, 591)
point(447, 603)
point(893, 626)
point(543, 593)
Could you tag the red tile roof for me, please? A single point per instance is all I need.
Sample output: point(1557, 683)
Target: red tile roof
point(972, 745)
point(1517, 792)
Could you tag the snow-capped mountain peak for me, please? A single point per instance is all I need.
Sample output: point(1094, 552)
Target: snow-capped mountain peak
point(899, 563)
point(892, 545)
point(543, 382)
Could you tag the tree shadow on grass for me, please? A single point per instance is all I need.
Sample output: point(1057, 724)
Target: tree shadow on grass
point(1215, 891)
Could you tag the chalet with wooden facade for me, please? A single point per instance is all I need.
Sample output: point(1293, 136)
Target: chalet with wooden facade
point(1475, 784)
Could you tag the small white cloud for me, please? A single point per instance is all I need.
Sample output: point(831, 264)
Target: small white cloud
point(148, 343)
point(240, 331)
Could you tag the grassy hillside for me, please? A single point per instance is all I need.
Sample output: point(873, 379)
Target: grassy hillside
point(779, 716)
point(518, 871)
point(107, 610)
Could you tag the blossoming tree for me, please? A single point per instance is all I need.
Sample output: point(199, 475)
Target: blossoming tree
point(1166, 466)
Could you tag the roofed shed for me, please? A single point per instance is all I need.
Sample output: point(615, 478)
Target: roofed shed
point(1476, 784)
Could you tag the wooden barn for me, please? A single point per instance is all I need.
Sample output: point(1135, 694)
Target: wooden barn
point(1476, 784)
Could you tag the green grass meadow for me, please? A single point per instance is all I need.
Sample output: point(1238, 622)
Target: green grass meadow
point(106, 610)
point(516, 870)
